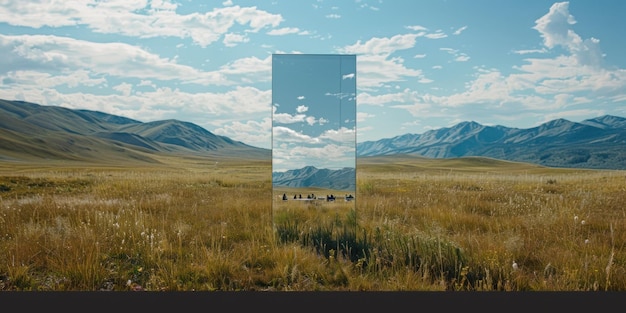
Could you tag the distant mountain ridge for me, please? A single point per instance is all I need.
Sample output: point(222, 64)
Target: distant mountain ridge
point(341, 179)
point(29, 131)
point(32, 132)
point(597, 143)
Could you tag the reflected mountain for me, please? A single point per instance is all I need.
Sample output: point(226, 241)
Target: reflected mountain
point(310, 176)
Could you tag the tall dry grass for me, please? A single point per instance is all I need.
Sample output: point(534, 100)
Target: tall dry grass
point(213, 227)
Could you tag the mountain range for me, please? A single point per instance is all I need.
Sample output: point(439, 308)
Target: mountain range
point(37, 133)
point(32, 132)
point(341, 179)
point(598, 143)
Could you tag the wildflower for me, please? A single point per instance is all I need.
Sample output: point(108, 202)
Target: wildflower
point(582, 222)
point(586, 241)
point(575, 218)
point(515, 266)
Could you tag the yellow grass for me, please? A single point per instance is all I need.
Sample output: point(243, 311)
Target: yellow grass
point(208, 224)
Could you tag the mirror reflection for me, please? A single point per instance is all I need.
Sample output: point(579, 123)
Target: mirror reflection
point(313, 138)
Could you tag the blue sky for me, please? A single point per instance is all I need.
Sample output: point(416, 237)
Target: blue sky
point(421, 65)
point(314, 111)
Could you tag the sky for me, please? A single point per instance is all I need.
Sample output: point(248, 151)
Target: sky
point(314, 111)
point(420, 65)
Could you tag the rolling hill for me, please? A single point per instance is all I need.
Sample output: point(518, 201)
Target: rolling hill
point(32, 132)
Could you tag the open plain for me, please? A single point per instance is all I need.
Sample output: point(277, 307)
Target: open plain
point(416, 224)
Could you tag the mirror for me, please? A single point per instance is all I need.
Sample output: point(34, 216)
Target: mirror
point(313, 142)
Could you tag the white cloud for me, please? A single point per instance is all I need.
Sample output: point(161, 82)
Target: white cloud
point(458, 56)
point(72, 79)
point(554, 26)
point(283, 31)
point(286, 118)
point(146, 83)
point(462, 57)
point(376, 66)
point(406, 96)
point(555, 29)
point(382, 45)
point(232, 39)
point(333, 16)
point(377, 70)
point(62, 54)
point(529, 51)
point(460, 30)
point(363, 116)
point(302, 108)
point(436, 35)
point(311, 120)
point(339, 135)
point(124, 88)
point(286, 134)
point(252, 132)
point(136, 18)
point(417, 28)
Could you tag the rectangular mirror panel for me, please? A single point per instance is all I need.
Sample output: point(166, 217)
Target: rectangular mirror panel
point(313, 141)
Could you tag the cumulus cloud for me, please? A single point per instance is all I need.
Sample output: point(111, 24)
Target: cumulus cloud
point(232, 39)
point(286, 134)
point(64, 54)
point(252, 132)
point(302, 108)
point(555, 29)
point(144, 19)
point(341, 135)
point(376, 65)
point(382, 45)
point(286, 118)
point(124, 88)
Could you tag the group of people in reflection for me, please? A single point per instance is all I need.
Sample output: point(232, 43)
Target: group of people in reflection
point(312, 196)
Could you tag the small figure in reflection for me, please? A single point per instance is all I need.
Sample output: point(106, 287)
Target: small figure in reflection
point(284, 196)
point(295, 197)
point(330, 198)
point(300, 196)
point(349, 197)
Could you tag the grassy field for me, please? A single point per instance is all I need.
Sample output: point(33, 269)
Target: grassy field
point(416, 225)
